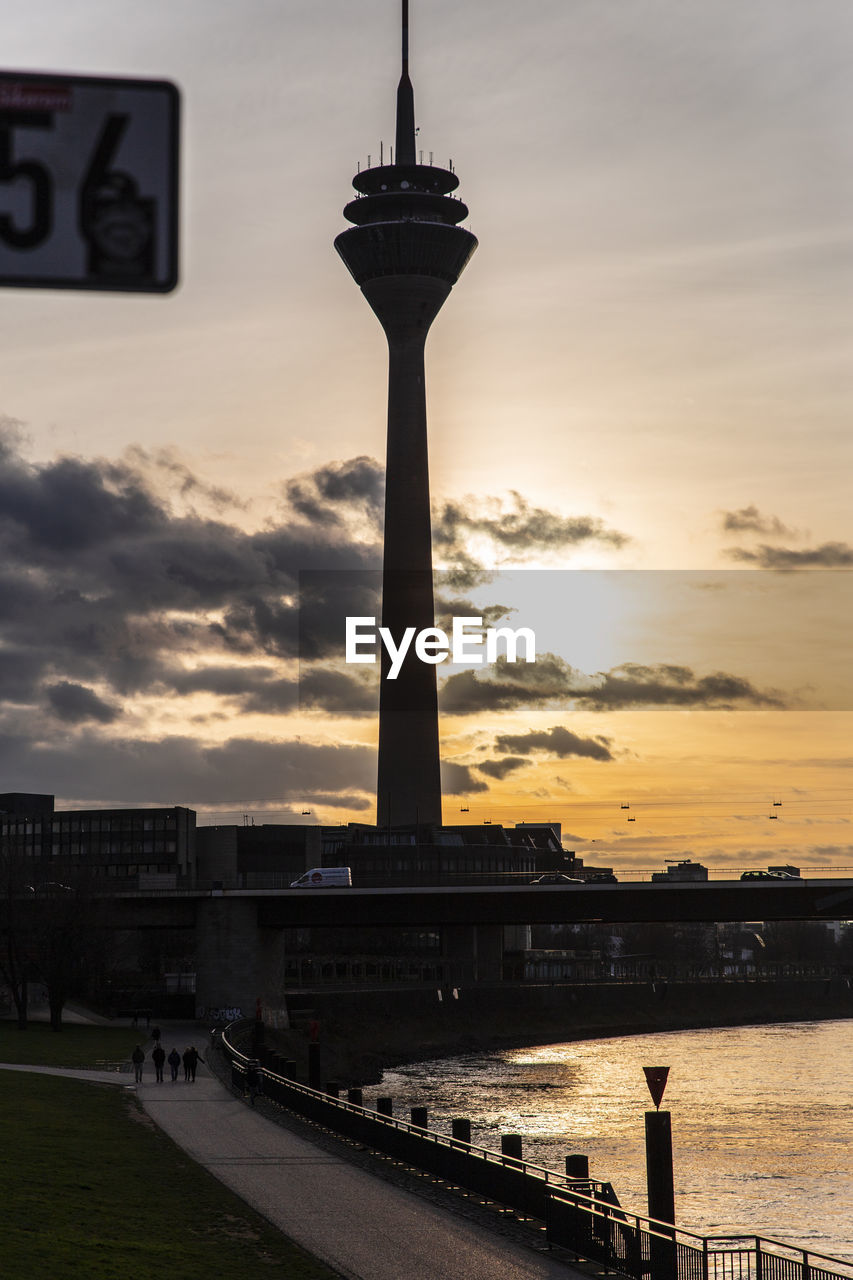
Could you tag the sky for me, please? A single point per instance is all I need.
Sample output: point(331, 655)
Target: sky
point(638, 398)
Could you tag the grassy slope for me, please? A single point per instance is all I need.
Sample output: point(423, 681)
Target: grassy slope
point(77, 1045)
point(90, 1189)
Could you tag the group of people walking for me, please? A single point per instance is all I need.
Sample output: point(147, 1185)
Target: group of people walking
point(190, 1059)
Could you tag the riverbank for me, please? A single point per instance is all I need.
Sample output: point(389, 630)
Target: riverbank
point(363, 1033)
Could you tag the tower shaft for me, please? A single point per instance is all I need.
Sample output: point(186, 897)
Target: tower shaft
point(408, 782)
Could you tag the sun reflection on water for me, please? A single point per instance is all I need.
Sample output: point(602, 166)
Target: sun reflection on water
point(762, 1127)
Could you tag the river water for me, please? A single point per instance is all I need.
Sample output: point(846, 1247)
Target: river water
point(762, 1120)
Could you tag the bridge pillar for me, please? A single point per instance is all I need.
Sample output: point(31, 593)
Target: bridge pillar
point(236, 961)
point(473, 953)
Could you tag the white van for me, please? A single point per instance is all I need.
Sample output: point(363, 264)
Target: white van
point(324, 878)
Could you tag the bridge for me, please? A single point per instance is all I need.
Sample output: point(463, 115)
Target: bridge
point(435, 906)
point(559, 904)
point(240, 943)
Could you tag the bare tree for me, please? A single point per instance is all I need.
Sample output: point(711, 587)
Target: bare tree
point(62, 937)
point(47, 931)
point(14, 963)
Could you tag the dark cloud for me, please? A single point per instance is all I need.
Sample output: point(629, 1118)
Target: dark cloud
point(458, 780)
point(358, 483)
point(76, 704)
point(556, 742)
point(89, 768)
point(663, 684)
point(511, 685)
point(751, 520)
point(171, 472)
point(326, 600)
point(103, 582)
point(551, 680)
point(70, 505)
point(19, 673)
point(520, 529)
point(829, 555)
point(262, 690)
point(448, 607)
point(225, 681)
point(338, 693)
point(501, 768)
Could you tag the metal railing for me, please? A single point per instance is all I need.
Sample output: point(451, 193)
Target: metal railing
point(580, 1215)
point(509, 1181)
point(636, 1246)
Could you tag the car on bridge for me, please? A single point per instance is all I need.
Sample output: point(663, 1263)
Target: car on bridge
point(556, 877)
point(769, 875)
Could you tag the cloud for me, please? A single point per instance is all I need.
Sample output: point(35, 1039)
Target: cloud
point(751, 520)
point(71, 505)
point(115, 589)
point(448, 607)
point(104, 581)
point(321, 495)
point(518, 529)
point(829, 555)
point(511, 685)
point(500, 769)
point(262, 690)
point(551, 680)
point(458, 780)
point(557, 741)
point(75, 704)
point(167, 470)
point(93, 768)
point(338, 693)
point(664, 684)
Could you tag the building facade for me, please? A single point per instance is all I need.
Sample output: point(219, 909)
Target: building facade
point(127, 848)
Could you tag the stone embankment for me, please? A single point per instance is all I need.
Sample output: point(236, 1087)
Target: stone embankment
point(363, 1032)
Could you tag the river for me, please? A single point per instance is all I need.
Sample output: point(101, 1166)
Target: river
point(762, 1120)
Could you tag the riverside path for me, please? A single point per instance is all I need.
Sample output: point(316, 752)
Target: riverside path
point(360, 1225)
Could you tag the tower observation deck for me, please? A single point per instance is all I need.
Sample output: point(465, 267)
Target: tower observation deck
point(406, 251)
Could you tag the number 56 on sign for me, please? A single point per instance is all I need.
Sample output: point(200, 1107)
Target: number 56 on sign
point(88, 182)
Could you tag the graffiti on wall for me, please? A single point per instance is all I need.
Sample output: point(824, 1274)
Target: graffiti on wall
point(224, 1014)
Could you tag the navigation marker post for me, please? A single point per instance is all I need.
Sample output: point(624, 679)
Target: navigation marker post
point(659, 1173)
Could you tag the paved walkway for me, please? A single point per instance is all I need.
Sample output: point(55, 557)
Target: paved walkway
point(361, 1225)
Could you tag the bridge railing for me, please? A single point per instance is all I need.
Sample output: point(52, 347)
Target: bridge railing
point(581, 1215)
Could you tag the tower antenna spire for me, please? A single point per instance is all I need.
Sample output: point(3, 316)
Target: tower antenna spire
point(405, 37)
point(404, 150)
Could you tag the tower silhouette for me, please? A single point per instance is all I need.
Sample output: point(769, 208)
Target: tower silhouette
point(406, 252)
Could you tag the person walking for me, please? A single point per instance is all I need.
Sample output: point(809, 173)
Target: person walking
point(155, 1034)
point(253, 1079)
point(194, 1059)
point(185, 1058)
point(158, 1056)
point(137, 1058)
point(174, 1061)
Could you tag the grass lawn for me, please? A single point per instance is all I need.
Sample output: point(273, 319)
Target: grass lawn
point(92, 1190)
point(76, 1045)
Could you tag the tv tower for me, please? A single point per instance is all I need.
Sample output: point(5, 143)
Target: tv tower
point(406, 252)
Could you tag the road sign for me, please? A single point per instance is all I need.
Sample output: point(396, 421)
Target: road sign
point(88, 182)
